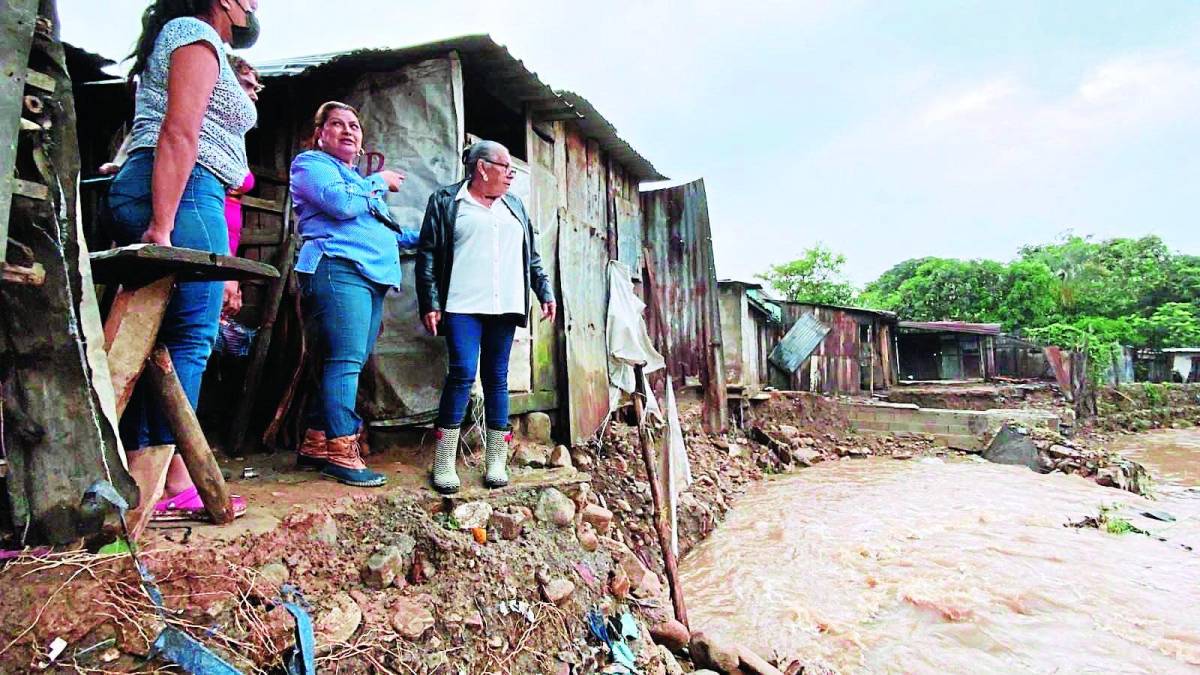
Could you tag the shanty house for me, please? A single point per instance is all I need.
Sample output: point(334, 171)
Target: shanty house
point(1185, 363)
point(749, 328)
point(841, 350)
point(947, 350)
point(420, 106)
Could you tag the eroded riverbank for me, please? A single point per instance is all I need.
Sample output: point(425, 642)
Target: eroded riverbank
point(886, 566)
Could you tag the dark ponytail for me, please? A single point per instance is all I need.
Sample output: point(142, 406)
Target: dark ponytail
point(154, 18)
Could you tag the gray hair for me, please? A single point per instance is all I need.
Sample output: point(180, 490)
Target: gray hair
point(482, 150)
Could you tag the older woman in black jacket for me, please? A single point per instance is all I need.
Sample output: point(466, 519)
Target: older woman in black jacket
point(478, 261)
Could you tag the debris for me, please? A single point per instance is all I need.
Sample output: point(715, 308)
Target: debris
point(55, 650)
point(249, 472)
point(712, 652)
point(183, 650)
point(530, 456)
point(509, 522)
point(340, 622)
point(1159, 515)
point(588, 539)
point(383, 567)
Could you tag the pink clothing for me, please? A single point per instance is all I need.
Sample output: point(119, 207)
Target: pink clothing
point(233, 212)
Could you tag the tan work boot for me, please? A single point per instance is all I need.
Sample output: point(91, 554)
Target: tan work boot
point(312, 453)
point(345, 465)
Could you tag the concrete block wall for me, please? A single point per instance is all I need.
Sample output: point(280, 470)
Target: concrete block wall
point(958, 429)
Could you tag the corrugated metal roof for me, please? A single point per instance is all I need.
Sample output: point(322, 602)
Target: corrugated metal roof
point(507, 74)
point(950, 327)
point(800, 342)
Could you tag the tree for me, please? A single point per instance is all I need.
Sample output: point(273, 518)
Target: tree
point(883, 293)
point(1031, 294)
point(1175, 324)
point(815, 278)
point(952, 290)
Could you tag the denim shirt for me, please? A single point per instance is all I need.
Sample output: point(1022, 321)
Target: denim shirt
point(333, 203)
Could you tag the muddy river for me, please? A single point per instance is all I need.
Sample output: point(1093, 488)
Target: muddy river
point(929, 567)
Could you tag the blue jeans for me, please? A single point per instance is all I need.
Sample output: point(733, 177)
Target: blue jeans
point(346, 309)
point(471, 338)
point(189, 327)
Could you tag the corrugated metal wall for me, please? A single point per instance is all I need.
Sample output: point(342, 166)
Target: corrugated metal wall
point(679, 242)
point(836, 365)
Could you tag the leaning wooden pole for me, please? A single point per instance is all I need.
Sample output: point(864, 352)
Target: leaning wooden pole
point(189, 437)
point(661, 523)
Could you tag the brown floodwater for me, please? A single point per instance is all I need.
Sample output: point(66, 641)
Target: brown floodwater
point(928, 567)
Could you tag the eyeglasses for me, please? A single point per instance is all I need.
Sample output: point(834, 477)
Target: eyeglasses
point(257, 88)
point(508, 168)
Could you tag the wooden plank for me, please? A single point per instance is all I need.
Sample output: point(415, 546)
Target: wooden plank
point(141, 263)
point(262, 204)
point(261, 237)
point(130, 332)
point(189, 437)
point(537, 401)
point(16, 36)
point(30, 190)
point(149, 468)
point(41, 81)
point(33, 275)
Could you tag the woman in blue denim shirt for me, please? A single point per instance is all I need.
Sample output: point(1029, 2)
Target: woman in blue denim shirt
point(349, 260)
point(187, 146)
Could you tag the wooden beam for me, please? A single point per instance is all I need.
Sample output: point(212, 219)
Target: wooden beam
point(189, 437)
point(261, 237)
point(41, 81)
point(561, 115)
point(130, 332)
point(262, 204)
point(30, 190)
point(34, 275)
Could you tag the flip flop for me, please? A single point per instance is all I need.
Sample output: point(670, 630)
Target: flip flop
point(187, 505)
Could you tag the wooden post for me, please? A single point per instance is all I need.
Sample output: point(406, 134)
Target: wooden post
point(262, 344)
point(130, 332)
point(660, 516)
point(189, 437)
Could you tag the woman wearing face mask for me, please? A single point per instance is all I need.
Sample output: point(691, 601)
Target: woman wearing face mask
point(349, 260)
point(187, 147)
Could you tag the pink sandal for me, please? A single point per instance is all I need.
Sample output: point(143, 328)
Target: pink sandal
point(187, 505)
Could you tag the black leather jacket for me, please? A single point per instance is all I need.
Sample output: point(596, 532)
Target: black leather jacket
point(435, 252)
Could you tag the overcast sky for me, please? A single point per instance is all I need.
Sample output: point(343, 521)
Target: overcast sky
point(886, 129)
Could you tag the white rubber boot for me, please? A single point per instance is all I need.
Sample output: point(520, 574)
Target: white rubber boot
point(496, 458)
point(445, 475)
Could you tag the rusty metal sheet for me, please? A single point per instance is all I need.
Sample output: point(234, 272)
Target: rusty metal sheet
point(583, 258)
point(15, 38)
point(679, 240)
point(799, 343)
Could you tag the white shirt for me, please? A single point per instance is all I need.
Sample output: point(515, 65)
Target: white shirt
point(489, 250)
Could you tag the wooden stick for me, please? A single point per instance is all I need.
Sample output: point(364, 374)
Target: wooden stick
point(660, 516)
point(189, 437)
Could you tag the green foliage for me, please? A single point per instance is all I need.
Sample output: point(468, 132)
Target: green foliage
point(816, 277)
point(1103, 351)
point(1174, 324)
point(1156, 394)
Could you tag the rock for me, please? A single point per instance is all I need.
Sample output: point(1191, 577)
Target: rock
point(531, 456)
point(474, 621)
point(712, 652)
point(623, 505)
point(274, 574)
point(509, 524)
point(588, 539)
point(618, 583)
point(735, 451)
point(340, 622)
point(555, 507)
point(805, 456)
point(643, 583)
point(560, 457)
point(582, 460)
point(806, 441)
point(1012, 446)
point(1061, 451)
point(473, 515)
point(671, 665)
point(323, 528)
point(598, 517)
point(789, 432)
point(537, 428)
point(671, 634)
point(422, 569)
point(383, 567)
point(558, 591)
point(411, 618)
